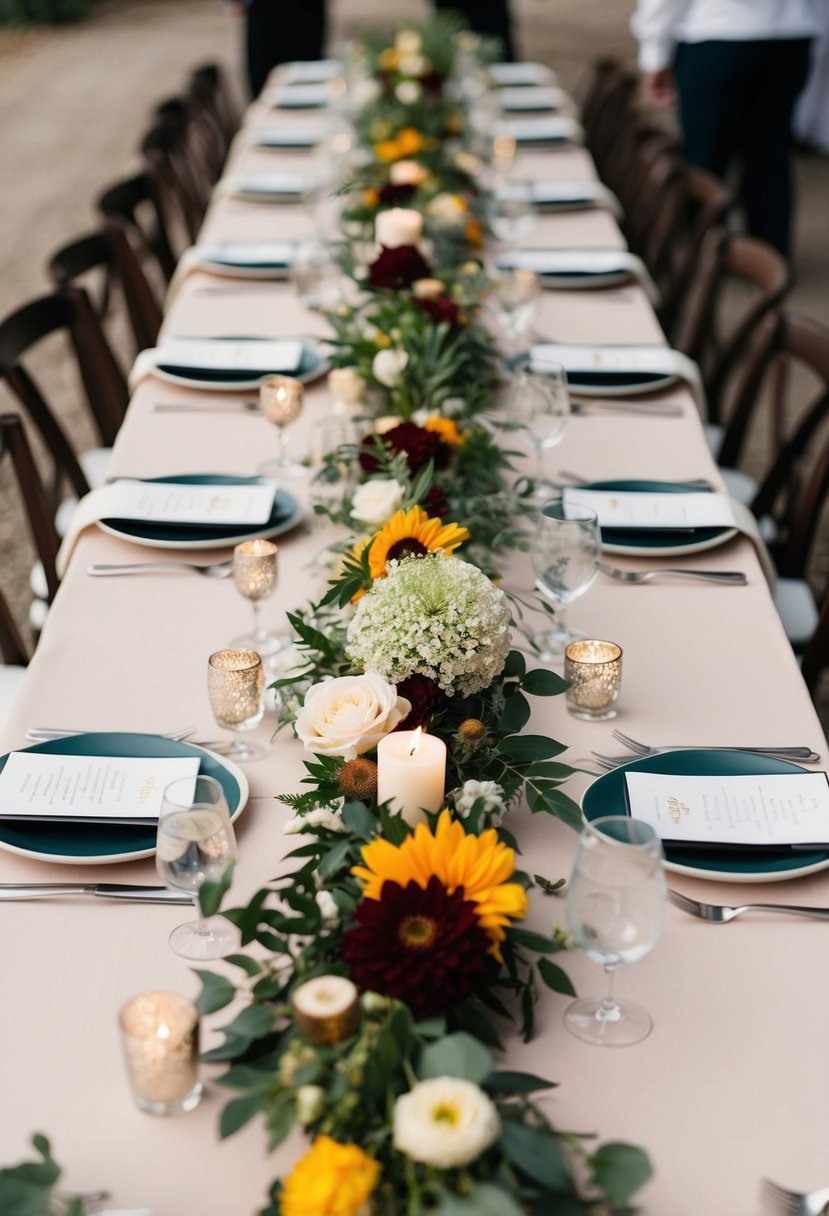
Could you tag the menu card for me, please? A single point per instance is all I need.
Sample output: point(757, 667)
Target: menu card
point(208, 355)
point(762, 811)
point(172, 502)
point(249, 253)
point(89, 789)
point(630, 509)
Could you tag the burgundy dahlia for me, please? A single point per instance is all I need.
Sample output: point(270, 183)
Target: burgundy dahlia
point(393, 195)
point(426, 698)
point(435, 503)
point(398, 267)
point(424, 947)
point(441, 308)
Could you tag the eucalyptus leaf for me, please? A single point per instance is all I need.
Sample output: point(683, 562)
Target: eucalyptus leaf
point(217, 991)
point(516, 1083)
point(538, 1156)
point(458, 1055)
point(485, 1199)
point(211, 894)
point(619, 1169)
point(528, 748)
point(555, 978)
point(252, 1022)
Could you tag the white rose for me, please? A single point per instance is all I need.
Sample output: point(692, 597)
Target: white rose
point(329, 911)
point(445, 1122)
point(414, 65)
point(408, 92)
point(376, 501)
point(407, 172)
point(349, 715)
point(447, 209)
point(310, 1101)
point(346, 385)
point(407, 42)
point(387, 366)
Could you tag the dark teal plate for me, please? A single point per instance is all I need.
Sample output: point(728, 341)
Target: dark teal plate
point(286, 514)
point(94, 843)
point(312, 365)
point(632, 541)
point(606, 797)
point(605, 383)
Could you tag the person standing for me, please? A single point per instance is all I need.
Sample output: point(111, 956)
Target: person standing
point(735, 68)
point(280, 31)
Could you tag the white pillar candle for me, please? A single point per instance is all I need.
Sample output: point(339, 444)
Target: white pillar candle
point(411, 773)
point(398, 226)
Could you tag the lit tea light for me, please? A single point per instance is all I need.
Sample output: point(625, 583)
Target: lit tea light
point(594, 669)
point(411, 773)
point(160, 1033)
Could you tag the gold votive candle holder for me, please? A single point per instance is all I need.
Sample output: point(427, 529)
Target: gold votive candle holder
point(281, 399)
point(594, 669)
point(236, 688)
point(254, 568)
point(160, 1036)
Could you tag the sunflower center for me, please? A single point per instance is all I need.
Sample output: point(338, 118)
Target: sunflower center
point(417, 932)
point(407, 547)
point(444, 1113)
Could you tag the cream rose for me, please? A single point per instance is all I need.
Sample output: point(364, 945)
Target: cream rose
point(349, 715)
point(376, 501)
point(427, 289)
point(408, 92)
point(407, 173)
point(445, 1121)
point(346, 385)
point(407, 42)
point(388, 366)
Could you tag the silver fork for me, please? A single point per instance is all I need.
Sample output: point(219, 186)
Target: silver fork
point(217, 570)
point(791, 753)
point(730, 577)
point(721, 914)
point(43, 734)
point(783, 1202)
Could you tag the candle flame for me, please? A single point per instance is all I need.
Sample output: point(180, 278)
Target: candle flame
point(416, 741)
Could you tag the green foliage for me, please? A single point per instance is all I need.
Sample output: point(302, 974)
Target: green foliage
point(42, 12)
point(28, 1189)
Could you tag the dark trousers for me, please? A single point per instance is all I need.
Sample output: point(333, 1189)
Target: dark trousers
point(735, 104)
point(280, 31)
point(491, 17)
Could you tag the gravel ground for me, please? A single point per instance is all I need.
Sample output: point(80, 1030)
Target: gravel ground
point(76, 99)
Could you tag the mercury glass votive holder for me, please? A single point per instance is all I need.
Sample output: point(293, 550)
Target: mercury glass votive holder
point(254, 569)
point(236, 687)
point(594, 669)
point(160, 1035)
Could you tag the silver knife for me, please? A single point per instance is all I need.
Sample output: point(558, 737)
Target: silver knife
point(209, 407)
point(103, 890)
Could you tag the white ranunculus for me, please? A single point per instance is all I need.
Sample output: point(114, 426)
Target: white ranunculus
point(408, 92)
point(310, 1102)
point(407, 172)
point(490, 793)
point(445, 1122)
point(320, 817)
point(346, 385)
point(349, 715)
point(329, 911)
point(387, 366)
point(376, 501)
point(407, 42)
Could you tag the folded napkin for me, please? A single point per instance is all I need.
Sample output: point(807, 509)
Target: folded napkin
point(574, 265)
point(285, 138)
point(535, 97)
point(220, 360)
point(559, 128)
point(618, 360)
point(309, 71)
point(267, 187)
point(506, 75)
point(299, 96)
point(566, 196)
point(259, 259)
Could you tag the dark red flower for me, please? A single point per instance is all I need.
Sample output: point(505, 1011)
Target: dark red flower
point(393, 194)
point(432, 83)
point(398, 267)
point(425, 697)
point(435, 502)
point(441, 308)
point(424, 947)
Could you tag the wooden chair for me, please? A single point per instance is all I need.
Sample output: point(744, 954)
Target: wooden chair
point(13, 667)
point(165, 154)
point(36, 509)
point(110, 256)
point(635, 170)
point(138, 209)
point(210, 91)
point(614, 110)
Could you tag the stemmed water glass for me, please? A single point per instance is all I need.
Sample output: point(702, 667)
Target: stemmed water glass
point(511, 212)
point(565, 553)
point(195, 845)
point(542, 404)
point(517, 300)
point(615, 909)
point(255, 576)
point(281, 398)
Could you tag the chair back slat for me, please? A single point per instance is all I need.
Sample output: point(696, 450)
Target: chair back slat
point(13, 442)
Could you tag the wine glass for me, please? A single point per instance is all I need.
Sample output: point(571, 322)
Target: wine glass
point(615, 909)
point(517, 299)
point(511, 212)
point(236, 688)
point(255, 575)
point(542, 404)
point(281, 400)
point(565, 553)
point(195, 845)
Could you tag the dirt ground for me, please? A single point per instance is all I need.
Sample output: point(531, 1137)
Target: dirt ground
point(75, 100)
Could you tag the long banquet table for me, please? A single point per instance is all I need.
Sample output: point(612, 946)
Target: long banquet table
point(732, 1083)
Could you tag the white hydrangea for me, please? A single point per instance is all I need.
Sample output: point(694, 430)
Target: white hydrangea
point(329, 911)
point(321, 817)
point(435, 615)
point(445, 1122)
point(468, 794)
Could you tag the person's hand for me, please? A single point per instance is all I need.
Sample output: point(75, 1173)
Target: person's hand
point(659, 88)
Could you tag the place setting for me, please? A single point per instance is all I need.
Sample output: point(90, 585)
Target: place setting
point(230, 364)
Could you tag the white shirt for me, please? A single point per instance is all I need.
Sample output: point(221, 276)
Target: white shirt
point(660, 24)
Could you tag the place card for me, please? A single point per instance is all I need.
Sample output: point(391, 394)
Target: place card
point(208, 355)
point(248, 253)
point(89, 789)
point(633, 509)
point(760, 811)
point(568, 261)
point(170, 502)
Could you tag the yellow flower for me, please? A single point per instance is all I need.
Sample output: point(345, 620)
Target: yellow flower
point(331, 1179)
point(474, 233)
point(412, 532)
point(446, 428)
point(370, 197)
point(481, 865)
point(406, 143)
point(389, 59)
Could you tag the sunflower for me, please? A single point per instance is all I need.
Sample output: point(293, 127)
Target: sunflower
point(331, 1179)
point(412, 533)
point(480, 865)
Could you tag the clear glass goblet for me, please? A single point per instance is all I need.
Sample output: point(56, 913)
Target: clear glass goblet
point(255, 568)
point(565, 553)
point(511, 212)
point(615, 910)
point(517, 300)
point(236, 688)
point(195, 844)
point(281, 398)
point(542, 404)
